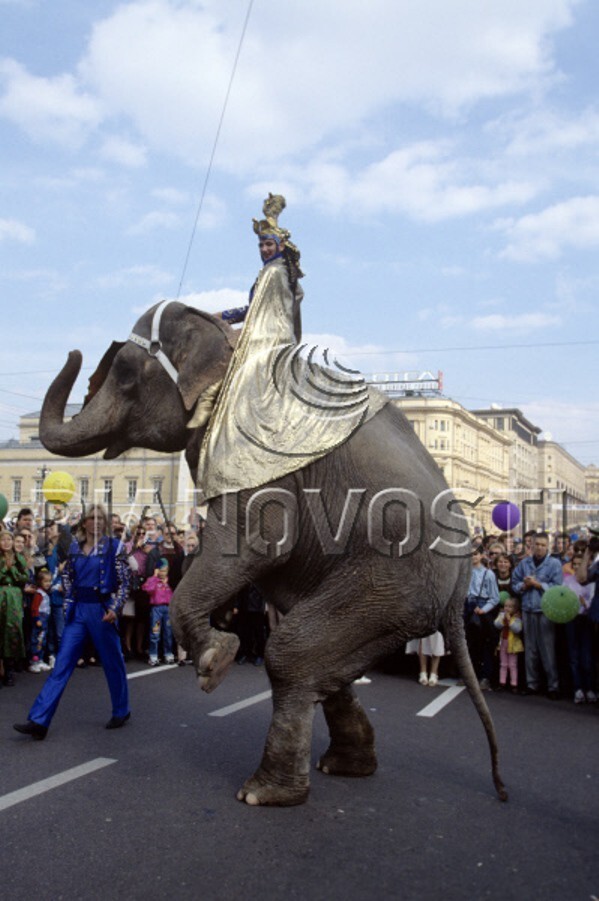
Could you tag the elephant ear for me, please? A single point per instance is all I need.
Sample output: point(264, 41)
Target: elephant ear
point(204, 351)
point(98, 378)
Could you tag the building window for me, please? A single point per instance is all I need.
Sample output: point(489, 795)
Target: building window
point(108, 491)
point(500, 424)
point(157, 490)
point(17, 486)
point(84, 490)
point(38, 493)
point(131, 490)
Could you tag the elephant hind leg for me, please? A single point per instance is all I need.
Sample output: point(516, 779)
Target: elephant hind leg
point(351, 751)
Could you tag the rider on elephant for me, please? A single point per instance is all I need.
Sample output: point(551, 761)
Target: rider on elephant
point(277, 250)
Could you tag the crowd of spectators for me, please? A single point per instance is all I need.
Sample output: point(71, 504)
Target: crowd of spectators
point(157, 555)
point(512, 644)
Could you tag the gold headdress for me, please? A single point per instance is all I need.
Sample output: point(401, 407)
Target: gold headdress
point(273, 206)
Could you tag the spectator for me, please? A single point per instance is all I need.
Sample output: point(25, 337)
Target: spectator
point(503, 574)
point(160, 593)
point(483, 597)
point(249, 623)
point(561, 546)
point(139, 548)
point(579, 632)
point(532, 577)
point(40, 614)
point(13, 576)
point(432, 647)
point(510, 643)
point(55, 562)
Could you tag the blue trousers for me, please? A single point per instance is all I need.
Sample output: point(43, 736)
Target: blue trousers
point(160, 624)
point(55, 628)
point(39, 632)
point(85, 621)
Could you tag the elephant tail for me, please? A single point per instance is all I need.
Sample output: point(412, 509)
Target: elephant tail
point(453, 624)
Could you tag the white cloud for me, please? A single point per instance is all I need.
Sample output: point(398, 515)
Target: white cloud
point(154, 221)
point(136, 275)
point(125, 153)
point(424, 181)
point(217, 300)
point(572, 223)
point(519, 322)
point(12, 230)
point(54, 109)
point(305, 77)
point(171, 195)
point(547, 131)
point(364, 357)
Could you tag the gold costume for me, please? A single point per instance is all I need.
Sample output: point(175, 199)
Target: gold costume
point(278, 410)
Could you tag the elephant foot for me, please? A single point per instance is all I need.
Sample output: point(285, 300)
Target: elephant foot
point(348, 762)
point(217, 659)
point(258, 791)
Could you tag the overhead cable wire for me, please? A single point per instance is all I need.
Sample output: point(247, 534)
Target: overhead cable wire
point(424, 350)
point(216, 139)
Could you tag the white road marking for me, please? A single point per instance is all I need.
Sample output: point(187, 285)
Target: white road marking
point(38, 788)
point(441, 701)
point(152, 670)
point(233, 708)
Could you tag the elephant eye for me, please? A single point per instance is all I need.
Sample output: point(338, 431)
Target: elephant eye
point(126, 377)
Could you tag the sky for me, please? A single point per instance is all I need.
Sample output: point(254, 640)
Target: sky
point(439, 160)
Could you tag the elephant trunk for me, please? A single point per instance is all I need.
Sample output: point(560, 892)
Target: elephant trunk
point(77, 437)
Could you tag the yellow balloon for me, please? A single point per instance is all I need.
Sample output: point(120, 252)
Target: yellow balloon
point(58, 488)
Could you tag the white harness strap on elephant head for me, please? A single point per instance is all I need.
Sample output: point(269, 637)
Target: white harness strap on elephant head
point(154, 345)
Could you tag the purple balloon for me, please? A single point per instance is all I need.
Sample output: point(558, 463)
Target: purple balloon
point(506, 516)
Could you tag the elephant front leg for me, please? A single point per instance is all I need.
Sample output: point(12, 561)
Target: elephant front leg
point(215, 659)
point(283, 777)
point(211, 650)
point(351, 751)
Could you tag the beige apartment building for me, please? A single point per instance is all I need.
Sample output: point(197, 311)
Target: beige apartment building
point(473, 456)
point(563, 479)
point(591, 478)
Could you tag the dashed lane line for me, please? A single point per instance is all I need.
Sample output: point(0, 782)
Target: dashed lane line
point(441, 701)
point(45, 785)
point(152, 670)
point(233, 708)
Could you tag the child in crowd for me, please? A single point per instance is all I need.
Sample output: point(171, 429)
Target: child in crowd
point(510, 643)
point(160, 594)
point(40, 614)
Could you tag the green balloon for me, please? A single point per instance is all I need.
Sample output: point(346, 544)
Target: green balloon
point(503, 597)
point(3, 506)
point(560, 604)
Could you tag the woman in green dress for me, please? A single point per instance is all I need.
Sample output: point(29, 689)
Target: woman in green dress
point(13, 577)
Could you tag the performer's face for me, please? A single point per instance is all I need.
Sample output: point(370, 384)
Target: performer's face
point(268, 248)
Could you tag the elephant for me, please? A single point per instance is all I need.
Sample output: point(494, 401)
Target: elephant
point(367, 562)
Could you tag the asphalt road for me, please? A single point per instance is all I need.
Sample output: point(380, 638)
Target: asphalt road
point(158, 817)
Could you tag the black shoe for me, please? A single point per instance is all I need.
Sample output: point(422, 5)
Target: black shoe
point(115, 722)
point(553, 695)
point(9, 680)
point(36, 730)
point(529, 691)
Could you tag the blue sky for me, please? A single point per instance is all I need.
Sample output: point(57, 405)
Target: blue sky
point(440, 163)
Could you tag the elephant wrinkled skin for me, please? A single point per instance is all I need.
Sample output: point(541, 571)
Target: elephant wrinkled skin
point(346, 600)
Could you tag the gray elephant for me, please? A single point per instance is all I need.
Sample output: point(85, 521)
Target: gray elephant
point(360, 550)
